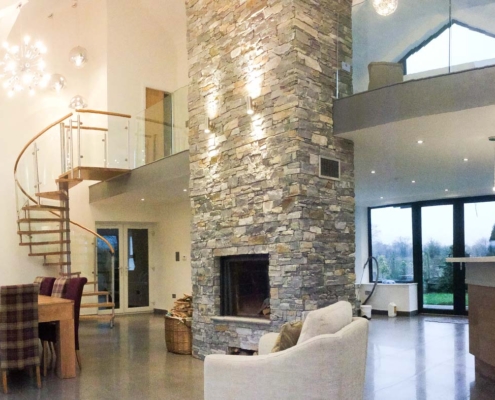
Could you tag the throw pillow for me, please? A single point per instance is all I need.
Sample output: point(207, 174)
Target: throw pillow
point(329, 319)
point(288, 336)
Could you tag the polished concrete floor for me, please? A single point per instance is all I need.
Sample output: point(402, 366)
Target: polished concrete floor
point(408, 358)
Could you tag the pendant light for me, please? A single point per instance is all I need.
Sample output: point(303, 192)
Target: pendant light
point(385, 7)
point(78, 56)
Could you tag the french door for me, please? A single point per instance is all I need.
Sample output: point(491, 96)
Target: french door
point(412, 241)
point(131, 266)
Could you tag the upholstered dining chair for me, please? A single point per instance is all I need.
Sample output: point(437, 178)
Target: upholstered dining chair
point(19, 343)
point(46, 285)
point(48, 332)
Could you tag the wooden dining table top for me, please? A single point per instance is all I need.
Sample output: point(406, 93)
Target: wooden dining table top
point(54, 309)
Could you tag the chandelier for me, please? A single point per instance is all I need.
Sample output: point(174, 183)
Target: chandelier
point(385, 7)
point(23, 67)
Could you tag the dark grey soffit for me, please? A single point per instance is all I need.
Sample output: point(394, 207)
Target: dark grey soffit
point(144, 177)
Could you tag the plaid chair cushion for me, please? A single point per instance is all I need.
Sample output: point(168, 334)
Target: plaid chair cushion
point(19, 343)
point(59, 287)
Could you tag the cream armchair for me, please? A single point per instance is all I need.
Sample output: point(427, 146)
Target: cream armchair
point(328, 366)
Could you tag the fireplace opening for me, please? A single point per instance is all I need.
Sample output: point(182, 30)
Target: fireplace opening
point(245, 286)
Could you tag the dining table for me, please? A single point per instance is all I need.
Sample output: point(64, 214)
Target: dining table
point(61, 311)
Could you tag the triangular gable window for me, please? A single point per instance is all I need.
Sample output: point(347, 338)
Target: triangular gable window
point(467, 45)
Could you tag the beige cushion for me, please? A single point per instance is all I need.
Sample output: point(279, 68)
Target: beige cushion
point(330, 319)
point(288, 336)
point(384, 74)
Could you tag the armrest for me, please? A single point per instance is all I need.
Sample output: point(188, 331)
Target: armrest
point(266, 343)
point(327, 366)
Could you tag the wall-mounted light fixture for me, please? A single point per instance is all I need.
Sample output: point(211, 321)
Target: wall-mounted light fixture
point(207, 125)
point(249, 105)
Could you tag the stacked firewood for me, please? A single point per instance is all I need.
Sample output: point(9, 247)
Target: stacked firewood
point(182, 307)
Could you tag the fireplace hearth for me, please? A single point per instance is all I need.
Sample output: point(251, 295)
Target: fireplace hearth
point(245, 286)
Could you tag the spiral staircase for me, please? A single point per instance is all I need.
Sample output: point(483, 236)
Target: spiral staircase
point(44, 224)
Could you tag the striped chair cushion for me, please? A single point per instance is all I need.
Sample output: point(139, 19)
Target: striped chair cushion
point(19, 343)
point(59, 287)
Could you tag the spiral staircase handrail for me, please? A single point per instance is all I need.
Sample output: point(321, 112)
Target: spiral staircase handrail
point(110, 247)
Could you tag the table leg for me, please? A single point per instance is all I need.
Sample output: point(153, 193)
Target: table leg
point(66, 350)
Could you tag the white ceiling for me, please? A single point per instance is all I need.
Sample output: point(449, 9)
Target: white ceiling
point(392, 151)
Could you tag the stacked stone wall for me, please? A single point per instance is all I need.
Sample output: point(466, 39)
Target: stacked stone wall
point(255, 186)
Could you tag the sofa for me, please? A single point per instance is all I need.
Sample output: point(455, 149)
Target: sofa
point(328, 362)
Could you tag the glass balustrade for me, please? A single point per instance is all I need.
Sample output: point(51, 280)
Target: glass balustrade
point(419, 40)
point(161, 129)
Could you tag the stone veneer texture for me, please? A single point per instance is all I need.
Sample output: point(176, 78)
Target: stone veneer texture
point(255, 185)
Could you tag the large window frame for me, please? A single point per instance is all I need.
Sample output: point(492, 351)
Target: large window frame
point(458, 246)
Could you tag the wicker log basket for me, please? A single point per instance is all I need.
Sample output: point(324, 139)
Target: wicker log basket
point(178, 336)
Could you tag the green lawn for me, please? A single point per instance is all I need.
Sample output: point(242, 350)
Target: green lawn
point(440, 299)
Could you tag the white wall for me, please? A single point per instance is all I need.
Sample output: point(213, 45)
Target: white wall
point(146, 48)
point(174, 276)
point(22, 117)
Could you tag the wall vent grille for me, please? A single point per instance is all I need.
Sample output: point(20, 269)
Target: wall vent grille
point(329, 168)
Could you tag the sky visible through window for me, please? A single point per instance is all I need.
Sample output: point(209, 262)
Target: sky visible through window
point(391, 223)
point(467, 46)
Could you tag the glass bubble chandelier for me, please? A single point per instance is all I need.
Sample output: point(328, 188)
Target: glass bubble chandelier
point(385, 7)
point(78, 102)
point(23, 67)
point(78, 56)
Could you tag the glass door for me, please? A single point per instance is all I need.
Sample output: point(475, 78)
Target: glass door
point(131, 268)
point(437, 237)
point(136, 273)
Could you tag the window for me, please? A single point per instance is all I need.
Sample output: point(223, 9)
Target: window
point(459, 42)
point(391, 243)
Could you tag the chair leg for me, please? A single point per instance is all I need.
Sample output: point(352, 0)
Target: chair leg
point(38, 376)
point(4, 381)
point(54, 355)
point(45, 357)
point(78, 357)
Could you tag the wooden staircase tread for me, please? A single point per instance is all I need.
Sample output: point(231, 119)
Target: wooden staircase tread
point(98, 293)
point(36, 220)
point(95, 305)
point(70, 181)
point(55, 195)
point(91, 282)
point(48, 264)
point(95, 173)
point(43, 232)
point(50, 253)
point(43, 207)
point(44, 243)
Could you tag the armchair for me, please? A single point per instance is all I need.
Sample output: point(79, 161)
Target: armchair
point(328, 366)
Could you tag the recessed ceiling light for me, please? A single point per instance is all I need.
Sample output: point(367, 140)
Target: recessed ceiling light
point(373, 171)
point(465, 160)
point(381, 198)
point(420, 142)
point(446, 190)
point(142, 199)
point(184, 190)
point(413, 181)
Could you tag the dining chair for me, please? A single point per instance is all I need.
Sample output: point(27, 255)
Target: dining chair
point(48, 331)
point(19, 343)
point(46, 286)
